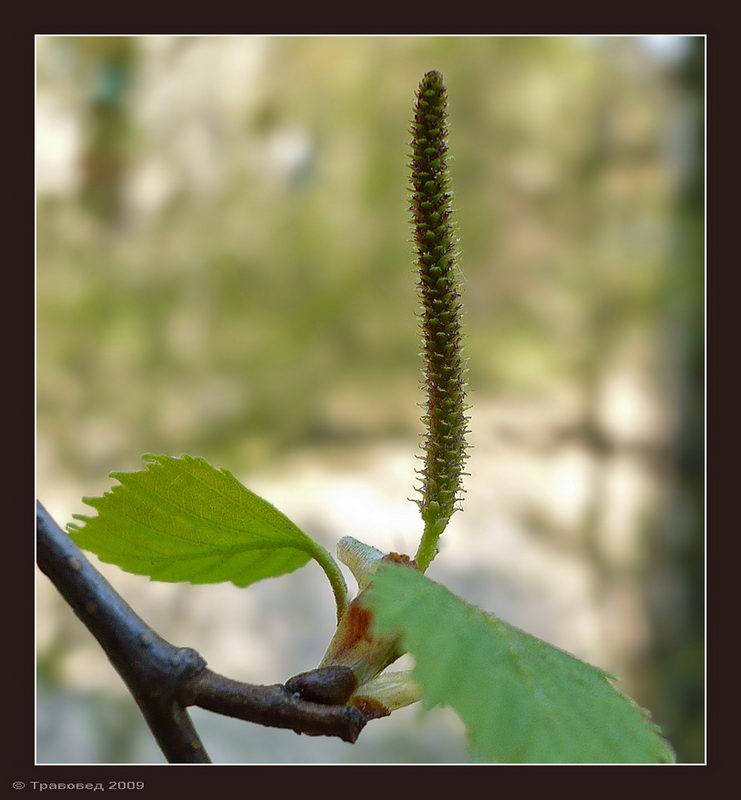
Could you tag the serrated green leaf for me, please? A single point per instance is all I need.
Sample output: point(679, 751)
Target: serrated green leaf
point(521, 699)
point(180, 519)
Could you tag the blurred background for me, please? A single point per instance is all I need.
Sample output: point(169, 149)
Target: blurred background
point(224, 269)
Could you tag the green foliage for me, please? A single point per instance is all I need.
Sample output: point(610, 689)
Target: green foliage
point(180, 519)
point(521, 699)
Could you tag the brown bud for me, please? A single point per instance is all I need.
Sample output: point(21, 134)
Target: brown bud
point(326, 685)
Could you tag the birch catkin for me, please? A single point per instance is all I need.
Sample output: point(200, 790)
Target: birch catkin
point(444, 442)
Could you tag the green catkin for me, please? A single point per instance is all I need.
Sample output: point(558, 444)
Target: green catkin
point(444, 442)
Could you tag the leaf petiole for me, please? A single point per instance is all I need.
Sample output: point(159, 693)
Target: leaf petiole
point(334, 575)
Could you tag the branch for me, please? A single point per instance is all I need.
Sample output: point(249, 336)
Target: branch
point(162, 678)
point(151, 668)
point(274, 706)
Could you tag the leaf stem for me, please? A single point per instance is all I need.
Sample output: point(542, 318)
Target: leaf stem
point(334, 575)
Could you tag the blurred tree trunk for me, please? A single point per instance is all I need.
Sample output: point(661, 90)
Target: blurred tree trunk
point(677, 660)
point(108, 65)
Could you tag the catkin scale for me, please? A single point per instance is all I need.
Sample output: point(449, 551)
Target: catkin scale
point(444, 443)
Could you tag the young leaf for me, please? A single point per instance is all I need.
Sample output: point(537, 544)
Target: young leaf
point(522, 700)
point(180, 519)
